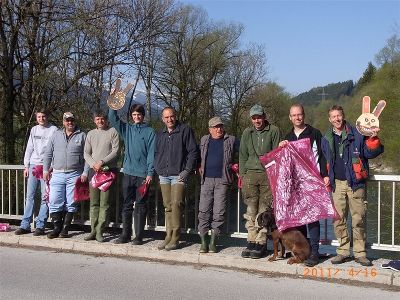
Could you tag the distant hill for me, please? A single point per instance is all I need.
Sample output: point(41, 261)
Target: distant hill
point(331, 91)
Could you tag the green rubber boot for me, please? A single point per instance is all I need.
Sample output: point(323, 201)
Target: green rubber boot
point(204, 243)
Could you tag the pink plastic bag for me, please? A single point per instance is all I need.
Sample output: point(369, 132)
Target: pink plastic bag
point(5, 227)
point(103, 180)
point(300, 196)
point(37, 171)
point(235, 169)
point(81, 191)
point(142, 189)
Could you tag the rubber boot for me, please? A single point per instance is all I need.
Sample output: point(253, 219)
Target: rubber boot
point(102, 221)
point(177, 193)
point(126, 234)
point(56, 219)
point(67, 224)
point(204, 243)
point(139, 220)
point(94, 212)
point(212, 248)
point(166, 195)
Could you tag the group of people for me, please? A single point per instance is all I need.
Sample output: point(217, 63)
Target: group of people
point(69, 155)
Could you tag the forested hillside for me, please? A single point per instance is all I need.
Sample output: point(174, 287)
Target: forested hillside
point(384, 84)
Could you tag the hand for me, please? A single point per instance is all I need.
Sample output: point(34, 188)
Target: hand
point(26, 172)
point(46, 176)
point(326, 181)
point(83, 178)
point(148, 180)
point(97, 166)
point(283, 144)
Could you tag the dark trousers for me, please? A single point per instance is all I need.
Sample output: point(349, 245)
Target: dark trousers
point(314, 232)
point(130, 185)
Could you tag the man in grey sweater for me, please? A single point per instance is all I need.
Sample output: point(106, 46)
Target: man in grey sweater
point(101, 150)
point(65, 152)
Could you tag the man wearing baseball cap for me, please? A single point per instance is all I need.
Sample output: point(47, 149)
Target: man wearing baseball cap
point(216, 177)
point(256, 141)
point(64, 153)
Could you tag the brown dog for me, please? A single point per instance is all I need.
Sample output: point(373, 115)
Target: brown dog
point(291, 239)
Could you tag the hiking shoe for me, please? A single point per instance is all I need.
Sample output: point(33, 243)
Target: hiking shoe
point(363, 261)
point(258, 251)
point(312, 261)
point(39, 231)
point(20, 231)
point(137, 241)
point(246, 252)
point(339, 259)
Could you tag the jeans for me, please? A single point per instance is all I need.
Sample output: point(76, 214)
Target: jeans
point(41, 219)
point(62, 186)
point(169, 180)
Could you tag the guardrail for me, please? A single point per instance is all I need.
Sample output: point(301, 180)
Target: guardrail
point(383, 231)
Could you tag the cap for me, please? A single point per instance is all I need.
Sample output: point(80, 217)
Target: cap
point(215, 122)
point(256, 110)
point(68, 115)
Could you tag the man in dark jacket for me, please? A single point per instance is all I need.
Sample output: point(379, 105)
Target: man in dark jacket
point(347, 153)
point(175, 158)
point(299, 131)
point(217, 150)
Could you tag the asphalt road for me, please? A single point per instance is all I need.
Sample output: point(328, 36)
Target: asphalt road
point(39, 274)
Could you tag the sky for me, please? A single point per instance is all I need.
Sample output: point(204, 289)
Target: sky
point(311, 43)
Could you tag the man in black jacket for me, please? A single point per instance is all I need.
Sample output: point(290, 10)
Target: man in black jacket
point(299, 131)
point(175, 157)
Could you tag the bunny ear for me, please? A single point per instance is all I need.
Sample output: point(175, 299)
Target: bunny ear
point(378, 108)
point(118, 85)
point(366, 107)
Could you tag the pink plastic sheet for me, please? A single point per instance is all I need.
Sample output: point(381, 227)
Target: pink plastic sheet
point(300, 196)
point(81, 191)
point(103, 180)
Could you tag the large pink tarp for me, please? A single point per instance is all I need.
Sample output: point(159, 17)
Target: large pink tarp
point(300, 196)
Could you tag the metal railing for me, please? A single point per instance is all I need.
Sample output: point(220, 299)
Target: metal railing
point(383, 210)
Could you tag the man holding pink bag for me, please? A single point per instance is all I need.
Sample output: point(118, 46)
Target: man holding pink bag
point(100, 153)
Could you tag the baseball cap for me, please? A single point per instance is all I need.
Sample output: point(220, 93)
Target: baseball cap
point(215, 121)
point(68, 115)
point(256, 110)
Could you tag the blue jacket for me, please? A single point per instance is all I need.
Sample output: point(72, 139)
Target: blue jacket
point(139, 140)
point(357, 149)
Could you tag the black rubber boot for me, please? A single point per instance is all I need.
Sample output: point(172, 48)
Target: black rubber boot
point(67, 224)
point(126, 234)
point(250, 247)
point(139, 220)
point(56, 219)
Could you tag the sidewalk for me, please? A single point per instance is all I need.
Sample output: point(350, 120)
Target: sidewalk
point(228, 257)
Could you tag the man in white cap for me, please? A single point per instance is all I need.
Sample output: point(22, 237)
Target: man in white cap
point(256, 141)
point(216, 176)
point(64, 153)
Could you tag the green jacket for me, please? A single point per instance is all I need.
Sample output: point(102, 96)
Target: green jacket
point(253, 145)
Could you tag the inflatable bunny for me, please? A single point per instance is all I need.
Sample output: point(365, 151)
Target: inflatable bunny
point(116, 100)
point(368, 124)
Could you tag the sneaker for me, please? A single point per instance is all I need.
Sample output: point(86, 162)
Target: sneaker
point(363, 261)
point(246, 252)
point(258, 251)
point(312, 261)
point(339, 259)
point(20, 231)
point(39, 231)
